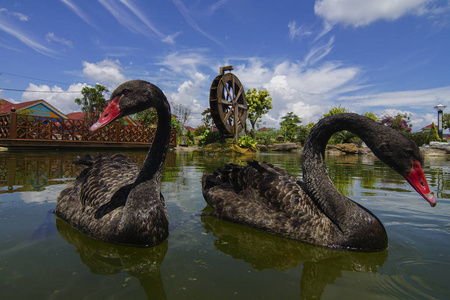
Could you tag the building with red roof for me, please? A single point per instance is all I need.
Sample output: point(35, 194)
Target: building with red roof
point(39, 108)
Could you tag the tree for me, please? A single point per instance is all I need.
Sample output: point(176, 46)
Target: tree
point(371, 115)
point(290, 126)
point(207, 118)
point(182, 112)
point(434, 136)
point(93, 101)
point(258, 103)
point(400, 122)
point(303, 132)
point(149, 117)
point(336, 110)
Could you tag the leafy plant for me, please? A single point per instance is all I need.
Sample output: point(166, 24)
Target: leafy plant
point(246, 141)
point(190, 138)
point(208, 138)
point(336, 110)
point(420, 138)
point(201, 131)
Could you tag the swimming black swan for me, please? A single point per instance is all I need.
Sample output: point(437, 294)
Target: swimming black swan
point(113, 199)
point(263, 196)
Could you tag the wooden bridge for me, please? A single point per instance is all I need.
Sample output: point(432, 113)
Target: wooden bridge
point(20, 130)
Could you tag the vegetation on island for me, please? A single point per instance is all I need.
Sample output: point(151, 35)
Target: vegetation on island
point(292, 130)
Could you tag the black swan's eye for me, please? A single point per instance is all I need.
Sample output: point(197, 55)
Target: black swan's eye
point(126, 92)
point(408, 153)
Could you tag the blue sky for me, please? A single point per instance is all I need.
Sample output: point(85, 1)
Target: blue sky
point(379, 56)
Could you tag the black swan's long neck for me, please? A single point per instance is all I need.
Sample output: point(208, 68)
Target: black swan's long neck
point(157, 153)
point(315, 176)
point(144, 219)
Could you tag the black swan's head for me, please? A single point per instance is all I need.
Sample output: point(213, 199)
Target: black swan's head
point(129, 98)
point(402, 155)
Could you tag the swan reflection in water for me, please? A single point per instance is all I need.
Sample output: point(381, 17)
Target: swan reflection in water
point(321, 266)
point(107, 259)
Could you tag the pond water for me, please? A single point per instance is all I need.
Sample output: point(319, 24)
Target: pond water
point(204, 258)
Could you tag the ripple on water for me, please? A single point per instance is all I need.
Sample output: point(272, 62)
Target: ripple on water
point(414, 280)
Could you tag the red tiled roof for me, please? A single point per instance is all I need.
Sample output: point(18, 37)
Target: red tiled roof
point(5, 106)
point(76, 115)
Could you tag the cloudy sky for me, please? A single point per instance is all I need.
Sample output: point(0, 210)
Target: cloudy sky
point(379, 56)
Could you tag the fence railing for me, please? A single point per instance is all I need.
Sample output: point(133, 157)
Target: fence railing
point(16, 129)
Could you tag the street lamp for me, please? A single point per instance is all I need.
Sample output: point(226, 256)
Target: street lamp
point(440, 108)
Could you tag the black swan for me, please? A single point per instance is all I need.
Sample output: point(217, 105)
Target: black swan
point(266, 197)
point(113, 199)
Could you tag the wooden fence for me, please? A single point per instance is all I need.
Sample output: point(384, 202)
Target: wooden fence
point(18, 130)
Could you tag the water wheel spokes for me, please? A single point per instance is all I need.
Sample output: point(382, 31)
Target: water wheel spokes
point(228, 104)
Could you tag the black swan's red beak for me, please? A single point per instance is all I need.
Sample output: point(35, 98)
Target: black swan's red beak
point(111, 113)
point(416, 179)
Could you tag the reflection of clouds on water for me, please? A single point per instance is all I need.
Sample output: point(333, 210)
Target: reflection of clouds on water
point(48, 195)
point(180, 191)
point(12, 188)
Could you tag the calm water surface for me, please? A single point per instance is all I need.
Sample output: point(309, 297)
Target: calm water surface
point(205, 258)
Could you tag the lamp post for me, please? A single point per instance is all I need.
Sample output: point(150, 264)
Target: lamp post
point(440, 108)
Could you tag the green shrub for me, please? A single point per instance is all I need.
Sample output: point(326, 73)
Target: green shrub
point(208, 138)
point(246, 141)
point(420, 138)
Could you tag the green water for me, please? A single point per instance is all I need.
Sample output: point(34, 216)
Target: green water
point(205, 258)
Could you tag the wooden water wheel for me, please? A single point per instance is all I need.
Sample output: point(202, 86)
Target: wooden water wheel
point(228, 103)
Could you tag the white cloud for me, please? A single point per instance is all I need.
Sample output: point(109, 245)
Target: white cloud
point(17, 15)
point(133, 18)
point(253, 74)
point(106, 72)
point(411, 98)
point(190, 94)
point(49, 195)
point(170, 39)
point(360, 13)
point(307, 91)
point(20, 16)
point(414, 102)
point(318, 52)
point(216, 6)
point(187, 16)
point(184, 62)
point(295, 31)
point(78, 12)
point(24, 38)
point(61, 99)
point(51, 37)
